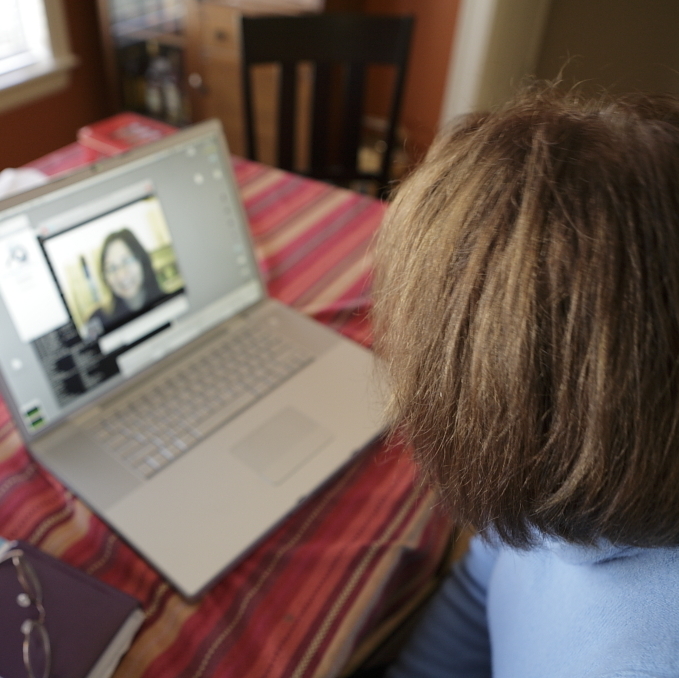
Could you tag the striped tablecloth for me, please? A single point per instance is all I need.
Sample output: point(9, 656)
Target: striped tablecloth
point(314, 597)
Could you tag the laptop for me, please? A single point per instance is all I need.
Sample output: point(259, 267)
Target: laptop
point(146, 367)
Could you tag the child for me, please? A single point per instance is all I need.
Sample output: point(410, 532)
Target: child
point(527, 317)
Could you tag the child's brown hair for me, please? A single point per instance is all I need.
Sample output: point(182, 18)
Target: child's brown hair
point(527, 316)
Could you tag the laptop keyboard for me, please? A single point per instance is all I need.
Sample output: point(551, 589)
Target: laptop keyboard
point(162, 422)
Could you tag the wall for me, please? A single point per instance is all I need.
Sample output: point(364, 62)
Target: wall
point(46, 124)
point(497, 44)
point(623, 46)
point(513, 48)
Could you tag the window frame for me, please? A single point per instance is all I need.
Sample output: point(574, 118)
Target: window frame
point(52, 74)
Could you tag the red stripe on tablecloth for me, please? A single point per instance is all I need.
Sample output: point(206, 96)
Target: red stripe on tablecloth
point(247, 171)
point(353, 576)
point(354, 325)
point(335, 566)
point(296, 224)
point(271, 207)
point(330, 218)
point(6, 424)
point(102, 554)
point(243, 590)
point(414, 568)
point(244, 169)
point(241, 600)
point(308, 202)
point(352, 273)
point(301, 281)
point(26, 498)
point(271, 600)
point(369, 557)
point(347, 312)
point(303, 252)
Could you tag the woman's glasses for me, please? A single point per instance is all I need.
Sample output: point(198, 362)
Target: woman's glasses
point(36, 646)
point(120, 265)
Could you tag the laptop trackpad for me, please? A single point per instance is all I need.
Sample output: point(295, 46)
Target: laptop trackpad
point(282, 444)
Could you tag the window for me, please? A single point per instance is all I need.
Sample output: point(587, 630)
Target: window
point(35, 57)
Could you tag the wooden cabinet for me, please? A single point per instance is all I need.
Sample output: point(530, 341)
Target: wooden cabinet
point(213, 67)
point(179, 60)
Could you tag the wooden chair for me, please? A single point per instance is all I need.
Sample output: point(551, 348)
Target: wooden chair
point(340, 47)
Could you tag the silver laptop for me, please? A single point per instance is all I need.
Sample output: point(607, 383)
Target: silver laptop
point(146, 367)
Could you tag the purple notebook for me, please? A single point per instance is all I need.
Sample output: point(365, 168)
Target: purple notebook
point(83, 617)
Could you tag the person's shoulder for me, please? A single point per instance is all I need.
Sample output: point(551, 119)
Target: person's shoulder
point(599, 611)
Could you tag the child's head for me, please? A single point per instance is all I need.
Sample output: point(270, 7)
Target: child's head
point(527, 314)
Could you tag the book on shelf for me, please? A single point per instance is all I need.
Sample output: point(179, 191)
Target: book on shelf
point(90, 624)
point(121, 132)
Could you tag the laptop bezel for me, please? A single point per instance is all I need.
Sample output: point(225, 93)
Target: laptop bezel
point(181, 137)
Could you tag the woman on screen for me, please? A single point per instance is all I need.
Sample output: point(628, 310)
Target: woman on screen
point(127, 273)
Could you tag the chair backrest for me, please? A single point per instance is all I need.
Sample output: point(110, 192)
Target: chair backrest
point(352, 41)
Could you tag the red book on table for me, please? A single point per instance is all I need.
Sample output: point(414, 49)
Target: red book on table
point(121, 132)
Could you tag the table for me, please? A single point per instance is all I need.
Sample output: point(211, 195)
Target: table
point(330, 582)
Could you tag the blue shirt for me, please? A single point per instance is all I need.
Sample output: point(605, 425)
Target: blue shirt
point(557, 610)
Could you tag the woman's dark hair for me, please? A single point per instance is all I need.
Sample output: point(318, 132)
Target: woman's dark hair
point(527, 318)
point(151, 287)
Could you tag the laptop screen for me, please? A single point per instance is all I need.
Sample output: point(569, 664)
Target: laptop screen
point(103, 277)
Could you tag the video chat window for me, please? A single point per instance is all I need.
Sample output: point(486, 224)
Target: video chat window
point(115, 267)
